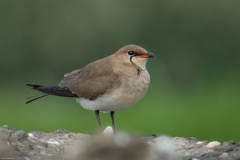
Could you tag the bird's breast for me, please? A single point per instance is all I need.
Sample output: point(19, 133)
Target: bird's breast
point(133, 88)
point(136, 86)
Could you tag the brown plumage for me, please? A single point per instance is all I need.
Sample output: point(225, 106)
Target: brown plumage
point(92, 81)
point(109, 84)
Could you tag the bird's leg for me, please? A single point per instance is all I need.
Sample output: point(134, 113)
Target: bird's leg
point(98, 119)
point(112, 117)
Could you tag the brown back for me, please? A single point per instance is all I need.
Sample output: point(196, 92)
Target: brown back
point(91, 81)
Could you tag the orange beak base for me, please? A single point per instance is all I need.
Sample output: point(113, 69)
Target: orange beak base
point(147, 55)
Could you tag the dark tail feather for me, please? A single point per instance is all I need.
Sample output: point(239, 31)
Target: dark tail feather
point(36, 98)
point(52, 90)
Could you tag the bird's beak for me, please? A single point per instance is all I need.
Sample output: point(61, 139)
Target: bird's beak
point(150, 55)
point(147, 55)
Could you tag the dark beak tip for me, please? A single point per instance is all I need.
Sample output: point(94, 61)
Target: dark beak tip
point(150, 55)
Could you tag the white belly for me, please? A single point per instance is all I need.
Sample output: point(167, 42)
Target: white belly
point(110, 102)
point(119, 98)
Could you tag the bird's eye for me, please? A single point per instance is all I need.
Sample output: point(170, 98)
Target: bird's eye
point(131, 53)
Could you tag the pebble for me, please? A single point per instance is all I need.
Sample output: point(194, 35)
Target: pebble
point(53, 142)
point(154, 135)
point(108, 131)
point(26, 158)
point(122, 139)
point(31, 135)
point(213, 144)
point(200, 142)
point(223, 155)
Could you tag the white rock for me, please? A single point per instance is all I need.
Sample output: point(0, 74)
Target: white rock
point(200, 142)
point(163, 148)
point(225, 154)
point(213, 144)
point(122, 139)
point(31, 135)
point(26, 158)
point(56, 142)
point(164, 144)
point(108, 131)
point(53, 142)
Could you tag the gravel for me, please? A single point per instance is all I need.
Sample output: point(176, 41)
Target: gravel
point(61, 145)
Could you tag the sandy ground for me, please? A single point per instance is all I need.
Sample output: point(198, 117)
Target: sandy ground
point(19, 145)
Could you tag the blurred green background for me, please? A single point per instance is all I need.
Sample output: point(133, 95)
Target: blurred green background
point(195, 76)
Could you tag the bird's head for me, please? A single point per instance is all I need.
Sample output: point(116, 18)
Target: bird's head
point(135, 55)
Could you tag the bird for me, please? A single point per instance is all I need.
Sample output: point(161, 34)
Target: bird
point(110, 84)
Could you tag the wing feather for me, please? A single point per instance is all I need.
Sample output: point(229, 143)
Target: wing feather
point(92, 81)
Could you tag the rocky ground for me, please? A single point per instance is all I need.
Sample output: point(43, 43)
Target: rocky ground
point(61, 145)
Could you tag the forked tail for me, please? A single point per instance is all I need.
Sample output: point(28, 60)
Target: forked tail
point(50, 90)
